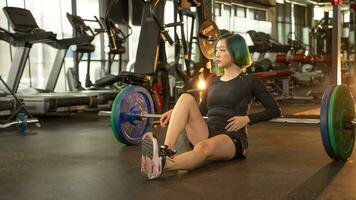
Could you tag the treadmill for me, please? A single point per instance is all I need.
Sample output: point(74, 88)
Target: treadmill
point(7, 103)
point(41, 101)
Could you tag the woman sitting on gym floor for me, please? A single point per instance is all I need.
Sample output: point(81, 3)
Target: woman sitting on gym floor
point(226, 103)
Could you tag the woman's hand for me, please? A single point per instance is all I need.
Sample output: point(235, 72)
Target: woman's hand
point(236, 123)
point(165, 118)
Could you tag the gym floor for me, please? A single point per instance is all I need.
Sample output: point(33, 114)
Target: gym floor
point(77, 157)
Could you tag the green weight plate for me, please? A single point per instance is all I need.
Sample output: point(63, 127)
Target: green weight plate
point(341, 107)
point(113, 116)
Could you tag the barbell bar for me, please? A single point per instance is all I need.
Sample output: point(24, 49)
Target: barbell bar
point(18, 122)
point(138, 116)
point(132, 116)
point(144, 115)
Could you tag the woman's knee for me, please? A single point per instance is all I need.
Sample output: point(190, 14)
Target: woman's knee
point(188, 99)
point(203, 147)
point(216, 148)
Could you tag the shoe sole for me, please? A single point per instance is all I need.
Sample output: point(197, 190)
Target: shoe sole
point(149, 145)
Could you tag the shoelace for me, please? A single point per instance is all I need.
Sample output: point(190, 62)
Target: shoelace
point(166, 152)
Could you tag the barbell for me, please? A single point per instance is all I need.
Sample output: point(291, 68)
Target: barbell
point(133, 110)
point(21, 121)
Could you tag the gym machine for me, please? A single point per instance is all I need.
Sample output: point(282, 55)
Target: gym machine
point(105, 95)
point(41, 101)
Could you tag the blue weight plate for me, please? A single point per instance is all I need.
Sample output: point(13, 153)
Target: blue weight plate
point(24, 125)
point(324, 130)
point(134, 100)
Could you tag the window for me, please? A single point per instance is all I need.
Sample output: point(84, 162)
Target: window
point(284, 21)
point(346, 16)
point(42, 56)
point(300, 15)
point(86, 9)
point(300, 20)
point(218, 9)
point(240, 12)
point(256, 14)
point(283, 12)
point(15, 3)
point(227, 10)
point(5, 56)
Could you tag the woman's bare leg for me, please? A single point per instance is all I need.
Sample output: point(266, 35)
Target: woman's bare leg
point(217, 148)
point(186, 115)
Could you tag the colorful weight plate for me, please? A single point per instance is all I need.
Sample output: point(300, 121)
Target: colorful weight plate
point(325, 101)
point(131, 100)
point(341, 107)
point(113, 118)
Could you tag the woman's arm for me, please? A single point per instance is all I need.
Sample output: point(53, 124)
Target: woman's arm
point(272, 109)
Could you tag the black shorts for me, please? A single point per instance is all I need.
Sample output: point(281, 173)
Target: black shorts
point(239, 138)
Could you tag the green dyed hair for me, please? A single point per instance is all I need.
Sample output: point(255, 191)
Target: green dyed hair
point(237, 47)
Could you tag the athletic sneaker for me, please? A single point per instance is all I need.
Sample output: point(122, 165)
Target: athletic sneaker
point(153, 157)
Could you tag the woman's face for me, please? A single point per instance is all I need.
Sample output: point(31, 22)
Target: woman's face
point(223, 56)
